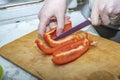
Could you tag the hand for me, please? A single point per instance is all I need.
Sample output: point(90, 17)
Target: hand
point(103, 10)
point(52, 11)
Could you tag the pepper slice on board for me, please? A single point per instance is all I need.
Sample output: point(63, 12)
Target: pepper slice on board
point(43, 48)
point(53, 43)
point(49, 36)
point(49, 50)
point(74, 44)
point(71, 55)
point(67, 26)
point(68, 45)
point(67, 49)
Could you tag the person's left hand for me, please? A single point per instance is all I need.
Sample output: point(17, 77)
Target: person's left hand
point(52, 11)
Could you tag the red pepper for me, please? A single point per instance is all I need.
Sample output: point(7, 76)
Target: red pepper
point(49, 36)
point(67, 26)
point(62, 47)
point(74, 44)
point(53, 43)
point(48, 50)
point(64, 50)
point(68, 47)
point(43, 48)
point(71, 55)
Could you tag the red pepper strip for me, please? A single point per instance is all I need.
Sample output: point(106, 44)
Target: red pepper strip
point(49, 36)
point(49, 50)
point(53, 43)
point(73, 45)
point(67, 26)
point(42, 47)
point(58, 49)
point(71, 55)
point(68, 47)
point(63, 47)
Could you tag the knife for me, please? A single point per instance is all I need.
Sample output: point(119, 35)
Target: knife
point(74, 29)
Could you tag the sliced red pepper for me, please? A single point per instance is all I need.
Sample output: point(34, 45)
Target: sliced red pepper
point(62, 47)
point(48, 50)
point(72, 45)
point(49, 36)
point(53, 43)
point(67, 26)
point(68, 47)
point(42, 47)
point(71, 55)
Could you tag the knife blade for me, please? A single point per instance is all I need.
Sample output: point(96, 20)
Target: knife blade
point(74, 29)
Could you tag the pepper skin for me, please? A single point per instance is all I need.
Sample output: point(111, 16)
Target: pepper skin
point(64, 50)
point(62, 47)
point(49, 36)
point(52, 43)
point(67, 26)
point(71, 55)
point(42, 47)
point(75, 43)
point(49, 50)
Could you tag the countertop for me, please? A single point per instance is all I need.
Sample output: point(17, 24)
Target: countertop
point(9, 33)
point(14, 30)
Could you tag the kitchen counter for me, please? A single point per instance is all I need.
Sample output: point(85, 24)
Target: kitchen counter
point(9, 33)
point(13, 27)
point(18, 28)
point(13, 31)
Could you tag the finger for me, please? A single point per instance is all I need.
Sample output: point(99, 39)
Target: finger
point(105, 17)
point(95, 19)
point(113, 13)
point(60, 22)
point(52, 25)
point(67, 19)
point(47, 29)
point(42, 26)
point(53, 19)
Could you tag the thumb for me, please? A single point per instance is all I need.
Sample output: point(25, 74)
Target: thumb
point(60, 22)
point(95, 19)
point(42, 26)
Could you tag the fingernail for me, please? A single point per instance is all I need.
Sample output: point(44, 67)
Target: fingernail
point(59, 33)
point(107, 22)
point(95, 22)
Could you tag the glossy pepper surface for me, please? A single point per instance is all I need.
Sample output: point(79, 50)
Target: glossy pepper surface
point(66, 49)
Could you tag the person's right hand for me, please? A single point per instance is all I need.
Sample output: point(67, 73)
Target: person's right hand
point(53, 10)
point(104, 10)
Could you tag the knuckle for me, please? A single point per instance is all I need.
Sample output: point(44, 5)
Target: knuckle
point(102, 8)
point(110, 9)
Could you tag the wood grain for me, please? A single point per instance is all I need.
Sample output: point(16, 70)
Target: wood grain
point(104, 57)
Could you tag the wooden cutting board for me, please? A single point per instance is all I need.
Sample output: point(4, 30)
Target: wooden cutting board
point(101, 62)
